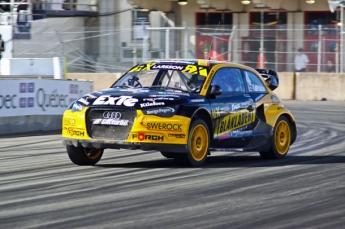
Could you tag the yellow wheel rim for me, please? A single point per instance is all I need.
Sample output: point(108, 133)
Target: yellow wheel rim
point(92, 154)
point(282, 137)
point(199, 143)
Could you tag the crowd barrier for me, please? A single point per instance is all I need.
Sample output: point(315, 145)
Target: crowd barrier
point(29, 105)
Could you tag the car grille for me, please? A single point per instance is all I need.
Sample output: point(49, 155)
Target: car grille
point(113, 128)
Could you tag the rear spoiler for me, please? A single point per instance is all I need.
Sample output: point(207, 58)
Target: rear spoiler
point(270, 76)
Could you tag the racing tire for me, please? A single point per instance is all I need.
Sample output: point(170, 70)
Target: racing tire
point(198, 145)
point(167, 154)
point(84, 156)
point(280, 141)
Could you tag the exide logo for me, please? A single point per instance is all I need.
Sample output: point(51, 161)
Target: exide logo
point(128, 101)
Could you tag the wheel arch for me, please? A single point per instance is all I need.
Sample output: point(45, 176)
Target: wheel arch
point(272, 114)
point(292, 126)
point(206, 116)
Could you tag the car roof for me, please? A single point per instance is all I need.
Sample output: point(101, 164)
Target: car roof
point(204, 62)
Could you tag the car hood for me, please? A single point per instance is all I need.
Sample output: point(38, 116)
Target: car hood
point(138, 98)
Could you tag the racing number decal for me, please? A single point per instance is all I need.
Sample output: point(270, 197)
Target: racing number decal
point(194, 70)
point(142, 68)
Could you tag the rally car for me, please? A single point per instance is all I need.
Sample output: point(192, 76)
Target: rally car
point(183, 108)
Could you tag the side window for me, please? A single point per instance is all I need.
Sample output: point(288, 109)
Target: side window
point(255, 85)
point(230, 80)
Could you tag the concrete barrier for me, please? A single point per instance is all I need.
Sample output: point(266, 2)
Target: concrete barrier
point(30, 123)
point(36, 105)
point(312, 86)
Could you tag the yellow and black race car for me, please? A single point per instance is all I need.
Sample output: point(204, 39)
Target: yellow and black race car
point(183, 108)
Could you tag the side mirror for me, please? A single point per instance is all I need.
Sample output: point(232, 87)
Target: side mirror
point(214, 90)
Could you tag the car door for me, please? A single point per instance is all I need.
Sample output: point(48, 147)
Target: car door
point(233, 111)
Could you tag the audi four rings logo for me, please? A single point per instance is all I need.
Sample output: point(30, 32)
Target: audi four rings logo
point(111, 114)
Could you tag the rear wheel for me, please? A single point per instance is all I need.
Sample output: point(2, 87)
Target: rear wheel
point(84, 156)
point(281, 140)
point(198, 144)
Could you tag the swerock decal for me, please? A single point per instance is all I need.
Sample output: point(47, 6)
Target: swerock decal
point(127, 101)
point(164, 127)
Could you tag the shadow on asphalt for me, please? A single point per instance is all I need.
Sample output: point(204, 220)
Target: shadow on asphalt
point(233, 162)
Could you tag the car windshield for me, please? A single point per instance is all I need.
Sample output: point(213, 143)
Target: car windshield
point(166, 76)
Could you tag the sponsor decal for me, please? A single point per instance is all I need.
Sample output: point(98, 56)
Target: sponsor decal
point(215, 112)
point(75, 132)
point(150, 137)
point(112, 115)
point(144, 67)
point(197, 100)
point(158, 98)
point(69, 121)
point(177, 136)
point(208, 81)
point(152, 104)
point(164, 127)
point(204, 62)
point(259, 97)
point(166, 111)
point(111, 122)
point(135, 90)
point(168, 67)
point(235, 107)
point(127, 101)
point(233, 121)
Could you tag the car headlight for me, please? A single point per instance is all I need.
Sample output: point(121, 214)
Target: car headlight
point(75, 106)
point(161, 111)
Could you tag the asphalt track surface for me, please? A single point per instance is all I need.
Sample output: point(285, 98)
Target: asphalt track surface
point(41, 188)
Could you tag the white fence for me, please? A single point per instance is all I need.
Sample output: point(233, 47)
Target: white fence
point(39, 97)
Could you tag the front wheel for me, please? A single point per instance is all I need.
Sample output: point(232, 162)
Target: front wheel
point(84, 156)
point(281, 140)
point(198, 144)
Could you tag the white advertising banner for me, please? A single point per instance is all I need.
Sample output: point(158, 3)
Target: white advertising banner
point(39, 97)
